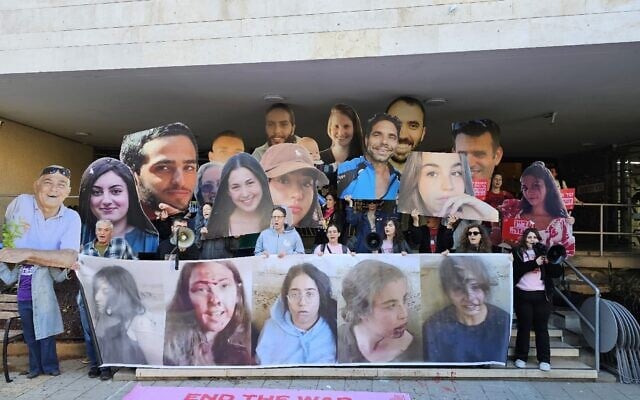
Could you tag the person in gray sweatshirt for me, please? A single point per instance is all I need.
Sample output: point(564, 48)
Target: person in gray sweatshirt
point(279, 239)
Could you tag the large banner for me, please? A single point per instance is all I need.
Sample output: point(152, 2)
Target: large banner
point(301, 310)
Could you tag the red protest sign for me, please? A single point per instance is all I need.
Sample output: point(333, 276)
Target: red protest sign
point(568, 197)
point(480, 188)
point(512, 228)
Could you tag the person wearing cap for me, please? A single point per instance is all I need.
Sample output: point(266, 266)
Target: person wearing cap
point(279, 125)
point(365, 222)
point(371, 176)
point(280, 238)
point(44, 245)
point(293, 182)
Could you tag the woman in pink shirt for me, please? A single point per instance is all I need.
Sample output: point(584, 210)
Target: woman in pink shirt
point(532, 277)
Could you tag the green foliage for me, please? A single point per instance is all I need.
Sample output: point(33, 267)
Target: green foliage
point(10, 232)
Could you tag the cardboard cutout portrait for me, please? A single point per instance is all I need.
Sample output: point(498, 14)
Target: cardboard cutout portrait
point(543, 207)
point(294, 181)
point(155, 156)
point(439, 185)
point(209, 175)
point(243, 203)
point(108, 191)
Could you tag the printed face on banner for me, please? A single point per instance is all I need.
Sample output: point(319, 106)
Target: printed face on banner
point(208, 317)
point(456, 308)
point(468, 312)
point(278, 126)
point(377, 305)
point(225, 147)
point(412, 131)
point(213, 294)
point(108, 191)
point(439, 185)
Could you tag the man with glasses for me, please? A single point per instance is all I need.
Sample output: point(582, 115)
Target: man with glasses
point(279, 239)
point(480, 140)
point(43, 240)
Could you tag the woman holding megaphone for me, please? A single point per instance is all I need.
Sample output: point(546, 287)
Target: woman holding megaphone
point(532, 278)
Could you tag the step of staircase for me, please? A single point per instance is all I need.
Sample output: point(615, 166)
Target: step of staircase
point(553, 333)
point(558, 348)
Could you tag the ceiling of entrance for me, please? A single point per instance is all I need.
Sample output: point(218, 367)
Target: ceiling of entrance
point(594, 91)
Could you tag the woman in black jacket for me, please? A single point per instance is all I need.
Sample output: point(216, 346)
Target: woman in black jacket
point(393, 242)
point(533, 286)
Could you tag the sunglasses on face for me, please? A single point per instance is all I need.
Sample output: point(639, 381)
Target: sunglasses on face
point(473, 233)
point(55, 169)
point(462, 125)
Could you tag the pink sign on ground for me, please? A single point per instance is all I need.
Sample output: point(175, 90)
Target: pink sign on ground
point(212, 393)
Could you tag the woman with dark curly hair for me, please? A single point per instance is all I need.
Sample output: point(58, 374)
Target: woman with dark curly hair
point(208, 319)
point(302, 327)
point(474, 240)
point(108, 191)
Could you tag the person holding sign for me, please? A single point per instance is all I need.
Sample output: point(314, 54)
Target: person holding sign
point(208, 320)
point(443, 188)
point(470, 329)
point(376, 315)
point(302, 327)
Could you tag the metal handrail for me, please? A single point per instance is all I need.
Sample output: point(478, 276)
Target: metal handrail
point(596, 328)
point(601, 232)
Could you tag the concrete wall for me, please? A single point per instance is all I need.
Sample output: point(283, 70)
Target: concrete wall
point(24, 151)
point(67, 35)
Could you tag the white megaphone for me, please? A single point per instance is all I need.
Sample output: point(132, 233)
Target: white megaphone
point(183, 238)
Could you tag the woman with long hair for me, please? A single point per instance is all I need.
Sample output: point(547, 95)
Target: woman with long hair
point(533, 287)
point(345, 131)
point(393, 241)
point(243, 203)
point(208, 319)
point(303, 324)
point(108, 191)
point(123, 331)
point(474, 240)
point(542, 205)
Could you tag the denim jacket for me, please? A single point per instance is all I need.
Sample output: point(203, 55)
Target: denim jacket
point(47, 319)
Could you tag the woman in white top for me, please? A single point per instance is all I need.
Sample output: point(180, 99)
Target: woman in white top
point(333, 246)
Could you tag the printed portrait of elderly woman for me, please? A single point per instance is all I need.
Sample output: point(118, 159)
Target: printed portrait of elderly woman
point(302, 327)
point(125, 334)
point(376, 316)
point(439, 185)
point(469, 329)
point(108, 191)
point(294, 181)
point(208, 319)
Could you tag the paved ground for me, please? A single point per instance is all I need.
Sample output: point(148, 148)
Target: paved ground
point(74, 384)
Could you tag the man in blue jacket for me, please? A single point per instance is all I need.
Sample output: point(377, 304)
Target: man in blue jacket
point(371, 176)
point(279, 239)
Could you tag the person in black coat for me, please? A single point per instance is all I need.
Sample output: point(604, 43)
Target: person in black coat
point(432, 237)
point(533, 286)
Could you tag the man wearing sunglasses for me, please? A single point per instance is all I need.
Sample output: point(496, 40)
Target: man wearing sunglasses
point(479, 139)
point(43, 238)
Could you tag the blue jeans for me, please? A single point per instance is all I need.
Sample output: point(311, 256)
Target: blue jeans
point(86, 330)
point(42, 353)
